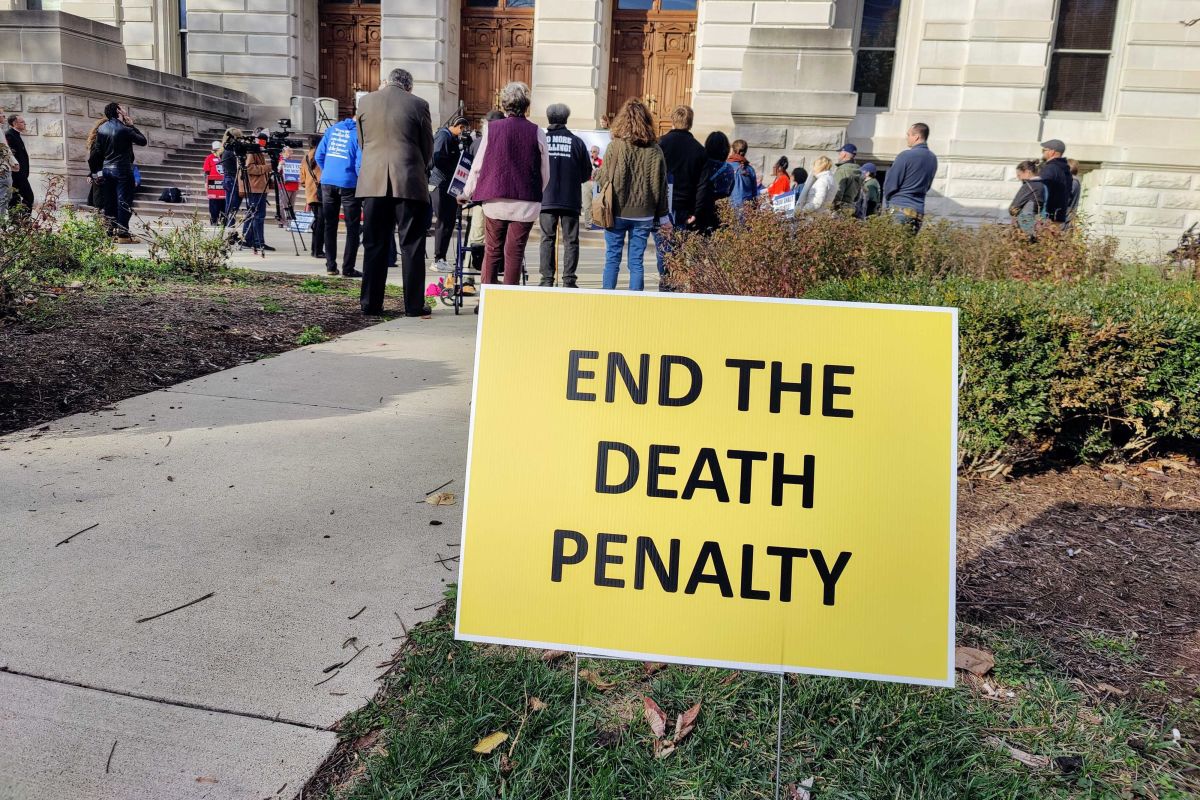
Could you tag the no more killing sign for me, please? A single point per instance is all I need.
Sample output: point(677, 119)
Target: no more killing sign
point(746, 483)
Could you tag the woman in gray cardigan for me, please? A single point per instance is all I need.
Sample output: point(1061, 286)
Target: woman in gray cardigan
point(635, 167)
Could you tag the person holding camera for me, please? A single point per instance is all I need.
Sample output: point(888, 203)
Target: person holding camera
point(255, 179)
point(113, 150)
point(448, 144)
point(340, 157)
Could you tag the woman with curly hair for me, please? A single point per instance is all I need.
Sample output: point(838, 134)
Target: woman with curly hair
point(636, 170)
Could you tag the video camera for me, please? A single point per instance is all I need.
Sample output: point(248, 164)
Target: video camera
point(277, 140)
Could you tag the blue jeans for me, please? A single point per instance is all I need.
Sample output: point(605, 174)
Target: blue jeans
point(614, 242)
point(256, 212)
point(118, 198)
point(232, 198)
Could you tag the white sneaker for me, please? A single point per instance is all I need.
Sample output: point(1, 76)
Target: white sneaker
point(441, 266)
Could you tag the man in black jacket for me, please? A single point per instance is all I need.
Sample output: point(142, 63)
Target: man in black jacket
point(685, 161)
point(447, 150)
point(113, 149)
point(570, 166)
point(1055, 174)
point(20, 176)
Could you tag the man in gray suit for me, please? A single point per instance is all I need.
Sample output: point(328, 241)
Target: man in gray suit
point(395, 137)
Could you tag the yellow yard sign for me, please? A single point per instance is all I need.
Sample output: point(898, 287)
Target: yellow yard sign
point(737, 482)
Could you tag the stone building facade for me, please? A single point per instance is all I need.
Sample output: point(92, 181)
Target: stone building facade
point(1116, 79)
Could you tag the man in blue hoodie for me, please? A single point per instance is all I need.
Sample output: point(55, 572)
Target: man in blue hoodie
point(909, 179)
point(339, 158)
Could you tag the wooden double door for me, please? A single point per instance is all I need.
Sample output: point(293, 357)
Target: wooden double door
point(497, 47)
point(653, 51)
point(350, 63)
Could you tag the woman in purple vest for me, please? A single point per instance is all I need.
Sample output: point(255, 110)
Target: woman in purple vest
point(635, 167)
point(508, 177)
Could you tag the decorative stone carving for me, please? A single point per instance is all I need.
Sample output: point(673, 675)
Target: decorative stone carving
point(43, 103)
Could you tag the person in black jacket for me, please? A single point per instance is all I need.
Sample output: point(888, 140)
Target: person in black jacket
point(447, 150)
point(1055, 175)
point(562, 201)
point(685, 163)
point(113, 149)
point(20, 176)
point(716, 182)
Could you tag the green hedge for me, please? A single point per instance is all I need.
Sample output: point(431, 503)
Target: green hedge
point(1082, 371)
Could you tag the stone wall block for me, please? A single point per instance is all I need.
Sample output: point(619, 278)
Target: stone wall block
point(1162, 180)
point(1140, 198)
point(180, 122)
point(53, 128)
point(1156, 219)
point(43, 103)
point(75, 105)
point(1190, 200)
point(42, 148)
point(31, 126)
point(79, 128)
point(1116, 177)
point(144, 118)
point(1110, 216)
point(10, 102)
point(762, 135)
point(978, 172)
point(982, 190)
point(95, 108)
point(816, 138)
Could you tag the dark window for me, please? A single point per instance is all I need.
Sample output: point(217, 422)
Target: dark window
point(1082, 48)
point(183, 44)
point(876, 55)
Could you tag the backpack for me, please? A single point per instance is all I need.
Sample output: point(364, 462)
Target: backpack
point(171, 195)
point(745, 186)
point(722, 180)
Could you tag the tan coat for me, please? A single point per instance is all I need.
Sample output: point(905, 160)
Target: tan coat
point(396, 138)
point(258, 169)
point(310, 179)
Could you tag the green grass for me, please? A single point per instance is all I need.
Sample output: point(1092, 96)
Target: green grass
point(313, 334)
point(314, 286)
point(857, 739)
point(1123, 648)
point(270, 305)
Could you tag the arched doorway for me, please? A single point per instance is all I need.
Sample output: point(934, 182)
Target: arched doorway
point(653, 50)
point(497, 47)
point(349, 50)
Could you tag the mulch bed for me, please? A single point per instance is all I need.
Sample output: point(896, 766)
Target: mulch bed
point(1103, 564)
point(87, 349)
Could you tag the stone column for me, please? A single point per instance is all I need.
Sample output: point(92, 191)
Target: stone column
point(722, 36)
point(796, 93)
point(569, 43)
point(249, 45)
point(422, 37)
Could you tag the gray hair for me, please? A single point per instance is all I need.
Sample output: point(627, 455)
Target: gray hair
point(402, 78)
point(558, 114)
point(514, 99)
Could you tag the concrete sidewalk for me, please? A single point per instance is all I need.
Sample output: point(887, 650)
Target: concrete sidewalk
point(289, 493)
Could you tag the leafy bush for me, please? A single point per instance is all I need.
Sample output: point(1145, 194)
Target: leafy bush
point(1082, 371)
point(767, 254)
point(313, 334)
point(187, 246)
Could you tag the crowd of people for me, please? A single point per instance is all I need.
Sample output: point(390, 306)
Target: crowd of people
point(388, 175)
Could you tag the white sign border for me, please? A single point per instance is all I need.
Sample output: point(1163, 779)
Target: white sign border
point(947, 682)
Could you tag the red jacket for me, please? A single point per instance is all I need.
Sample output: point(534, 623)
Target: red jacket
point(214, 177)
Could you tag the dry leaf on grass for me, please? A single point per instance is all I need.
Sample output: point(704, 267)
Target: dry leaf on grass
point(1110, 689)
point(656, 718)
point(490, 742)
point(653, 667)
point(686, 723)
point(536, 704)
point(977, 662)
point(595, 679)
point(552, 655)
point(441, 499)
point(801, 790)
point(1028, 759)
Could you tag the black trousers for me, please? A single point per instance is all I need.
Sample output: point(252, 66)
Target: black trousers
point(318, 230)
point(386, 217)
point(446, 208)
point(332, 199)
point(550, 222)
point(21, 187)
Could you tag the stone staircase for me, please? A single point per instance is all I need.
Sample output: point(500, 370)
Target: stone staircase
point(183, 168)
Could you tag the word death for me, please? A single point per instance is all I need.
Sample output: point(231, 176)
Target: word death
point(757, 576)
